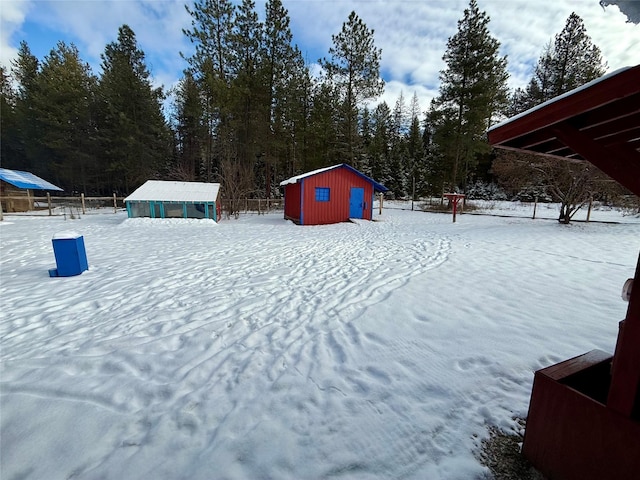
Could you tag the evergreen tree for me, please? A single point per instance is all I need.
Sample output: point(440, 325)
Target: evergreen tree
point(380, 148)
point(437, 164)
point(353, 69)
point(292, 117)
point(572, 60)
point(323, 127)
point(10, 151)
point(64, 104)
point(190, 130)
point(288, 88)
point(27, 148)
point(366, 136)
point(210, 65)
point(415, 155)
point(399, 163)
point(473, 91)
point(247, 94)
point(133, 132)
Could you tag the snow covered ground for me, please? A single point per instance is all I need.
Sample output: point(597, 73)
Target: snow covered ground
point(259, 349)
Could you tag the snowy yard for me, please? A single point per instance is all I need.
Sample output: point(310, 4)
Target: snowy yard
point(259, 349)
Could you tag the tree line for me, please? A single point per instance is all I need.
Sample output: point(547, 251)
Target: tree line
point(248, 112)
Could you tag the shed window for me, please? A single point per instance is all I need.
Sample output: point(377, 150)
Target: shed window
point(322, 194)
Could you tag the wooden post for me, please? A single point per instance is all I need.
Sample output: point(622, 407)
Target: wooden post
point(115, 203)
point(29, 201)
point(84, 211)
point(1, 216)
point(381, 197)
point(589, 210)
point(413, 192)
point(49, 203)
point(535, 205)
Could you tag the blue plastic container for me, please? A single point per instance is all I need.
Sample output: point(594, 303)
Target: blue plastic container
point(71, 257)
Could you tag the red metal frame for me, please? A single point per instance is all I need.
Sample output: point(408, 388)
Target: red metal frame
point(454, 198)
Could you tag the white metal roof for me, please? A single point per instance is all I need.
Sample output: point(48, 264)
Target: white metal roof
point(168, 191)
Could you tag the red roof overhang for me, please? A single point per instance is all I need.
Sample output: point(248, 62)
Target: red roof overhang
point(598, 122)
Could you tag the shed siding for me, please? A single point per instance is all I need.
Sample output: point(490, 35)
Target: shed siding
point(292, 202)
point(339, 181)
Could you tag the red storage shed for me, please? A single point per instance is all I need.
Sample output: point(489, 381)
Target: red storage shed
point(329, 195)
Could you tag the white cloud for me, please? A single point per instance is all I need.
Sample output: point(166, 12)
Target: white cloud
point(413, 34)
point(92, 25)
point(12, 15)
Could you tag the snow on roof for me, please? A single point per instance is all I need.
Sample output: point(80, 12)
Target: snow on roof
point(377, 186)
point(26, 180)
point(308, 174)
point(168, 191)
point(559, 97)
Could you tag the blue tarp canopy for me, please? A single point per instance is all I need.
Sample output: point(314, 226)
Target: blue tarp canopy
point(26, 180)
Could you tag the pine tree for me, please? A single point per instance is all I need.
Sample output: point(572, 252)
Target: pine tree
point(247, 87)
point(323, 129)
point(10, 151)
point(353, 69)
point(27, 147)
point(366, 137)
point(190, 131)
point(572, 60)
point(287, 81)
point(473, 92)
point(292, 116)
point(64, 103)
point(211, 33)
point(415, 156)
point(133, 131)
point(380, 147)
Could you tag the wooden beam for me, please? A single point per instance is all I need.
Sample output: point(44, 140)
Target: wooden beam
point(601, 93)
point(621, 164)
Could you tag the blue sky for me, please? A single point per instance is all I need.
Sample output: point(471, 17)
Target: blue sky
point(411, 33)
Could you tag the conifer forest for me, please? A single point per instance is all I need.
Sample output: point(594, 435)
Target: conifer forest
point(249, 111)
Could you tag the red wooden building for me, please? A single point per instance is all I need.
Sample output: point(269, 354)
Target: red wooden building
point(584, 415)
point(329, 195)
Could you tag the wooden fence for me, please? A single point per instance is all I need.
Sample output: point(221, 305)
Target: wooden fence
point(254, 205)
point(54, 205)
point(81, 205)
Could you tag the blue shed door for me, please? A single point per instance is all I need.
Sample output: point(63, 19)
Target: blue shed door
point(356, 202)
